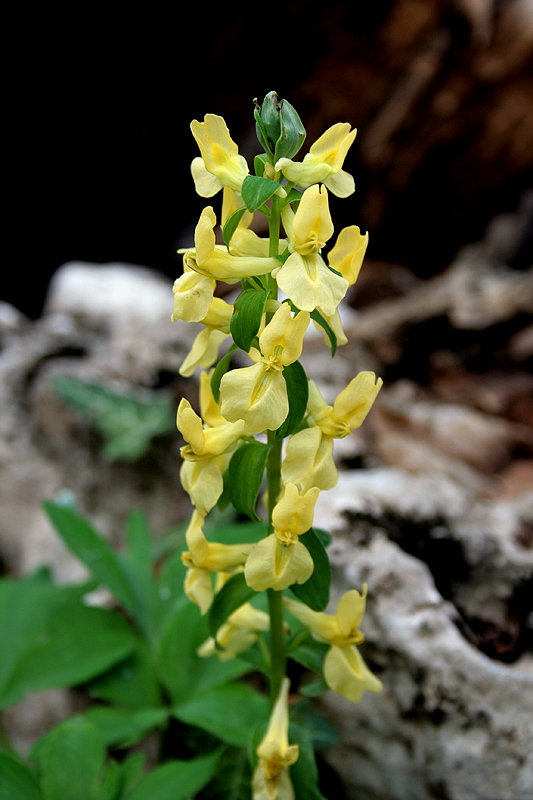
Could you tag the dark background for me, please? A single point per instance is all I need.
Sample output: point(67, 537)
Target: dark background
point(100, 99)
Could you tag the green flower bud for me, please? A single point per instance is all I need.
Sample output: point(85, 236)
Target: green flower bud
point(279, 128)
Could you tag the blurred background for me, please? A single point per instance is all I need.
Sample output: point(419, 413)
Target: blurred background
point(100, 99)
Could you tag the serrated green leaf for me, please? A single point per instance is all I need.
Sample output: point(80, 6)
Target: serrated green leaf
point(246, 319)
point(16, 780)
point(246, 472)
point(177, 780)
point(232, 596)
point(231, 224)
point(315, 591)
point(228, 712)
point(298, 395)
point(319, 319)
point(219, 372)
point(255, 191)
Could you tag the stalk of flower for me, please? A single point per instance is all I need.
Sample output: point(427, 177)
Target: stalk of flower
point(271, 779)
point(309, 459)
point(257, 395)
point(344, 669)
point(280, 560)
point(323, 163)
point(305, 277)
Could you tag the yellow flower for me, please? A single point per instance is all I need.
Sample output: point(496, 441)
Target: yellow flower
point(220, 157)
point(258, 394)
point(309, 459)
point(344, 669)
point(193, 294)
point(203, 558)
point(305, 277)
point(204, 351)
point(348, 252)
point(323, 163)
point(205, 456)
point(271, 779)
point(213, 261)
point(280, 560)
point(237, 634)
point(232, 201)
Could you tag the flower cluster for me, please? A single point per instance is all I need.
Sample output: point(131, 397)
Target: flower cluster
point(286, 281)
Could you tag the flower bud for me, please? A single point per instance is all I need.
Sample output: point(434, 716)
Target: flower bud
point(279, 128)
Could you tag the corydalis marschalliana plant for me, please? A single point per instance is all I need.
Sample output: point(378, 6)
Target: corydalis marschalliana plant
point(285, 283)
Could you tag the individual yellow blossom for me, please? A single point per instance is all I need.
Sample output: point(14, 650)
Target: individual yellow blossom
point(204, 351)
point(220, 157)
point(309, 458)
point(237, 634)
point(205, 456)
point(257, 395)
point(344, 669)
point(280, 560)
point(347, 255)
point(305, 277)
point(271, 779)
point(209, 408)
point(203, 558)
point(214, 261)
point(323, 163)
point(193, 294)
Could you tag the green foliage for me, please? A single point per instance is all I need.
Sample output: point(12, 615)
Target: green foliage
point(315, 591)
point(246, 472)
point(127, 422)
point(246, 319)
point(255, 191)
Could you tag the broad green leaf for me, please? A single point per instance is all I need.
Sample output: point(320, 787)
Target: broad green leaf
point(231, 224)
point(259, 164)
point(232, 596)
point(177, 780)
point(310, 654)
point(71, 761)
point(127, 422)
point(255, 191)
point(137, 562)
point(121, 727)
point(298, 394)
point(233, 777)
point(228, 711)
point(219, 372)
point(246, 472)
point(180, 670)
point(315, 591)
point(132, 769)
point(304, 773)
point(16, 780)
point(235, 532)
point(81, 538)
point(246, 319)
point(131, 684)
point(293, 196)
point(319, 319)
point(77, 643)
point(317, 727)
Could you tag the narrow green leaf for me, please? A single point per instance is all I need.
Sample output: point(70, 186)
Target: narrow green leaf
point(315, 591)
point(319, 319)
point(121, 727)
point(246, 319)
point(81, 538)
point(71, 760)
point(304, 773)
point(255, 191)
point(259, 164)
point(231, 224)
point(298, 394)
point(219, 372)
point(232, 596)
point(310, 654)
point(132, 683)
point(228, 711)
point(16, 780)
point(137, 562)
point(293, 196)
point(246, 471)
point(177, 780)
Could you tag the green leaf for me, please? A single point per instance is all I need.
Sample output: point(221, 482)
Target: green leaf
point(16, 780)
point(319, 319)
point(137, 562)
point(233, 777)
point(228, 712)
point(317, 727)
point(259, 164)
point(298, 395)
point(71, 760)
point(128, 422)
point(310, 654)
point(232, 596)
point(81, 538)
point(315, 591)
point(304, 773)
point(246, 471)
point(131, 684)
point(231, 224)
point(255, 191)
point(121, 727)
point(177, 780)
point(293, 196)
point(219, 372)
point(246, 319)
